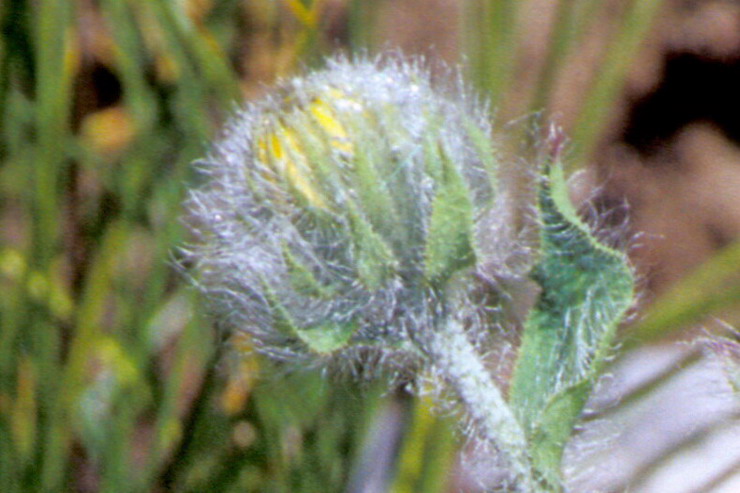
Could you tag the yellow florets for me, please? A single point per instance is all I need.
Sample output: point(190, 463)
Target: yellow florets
point(283, 147)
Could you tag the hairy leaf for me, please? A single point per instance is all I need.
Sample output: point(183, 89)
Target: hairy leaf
point(586, 289)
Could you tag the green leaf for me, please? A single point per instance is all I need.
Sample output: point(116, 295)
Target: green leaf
point(449, 246)
point(586, 289)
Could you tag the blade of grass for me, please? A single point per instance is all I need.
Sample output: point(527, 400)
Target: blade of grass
point(93, 302)
point(130, 61)
point(74, 373)
point(491, 25)
point(713, 286)
point(54, 69)
point(428, 453)
point(572, 19)
point(190, 87)
point(307, 47)
point(122, 442)
point(197, 50)
point(181, 457)
point(362, 18)
point(609, 80)
point(193, 350)
point(561, 39)
point(54, 74)
point(91, 310)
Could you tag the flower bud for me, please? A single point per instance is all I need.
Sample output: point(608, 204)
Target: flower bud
point(341, 211)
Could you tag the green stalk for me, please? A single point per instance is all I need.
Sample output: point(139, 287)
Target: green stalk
point(461, 366)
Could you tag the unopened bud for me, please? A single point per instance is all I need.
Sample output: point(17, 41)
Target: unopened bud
point(336, 212)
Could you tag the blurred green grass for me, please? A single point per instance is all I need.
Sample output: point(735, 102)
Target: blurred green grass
point(111, 379)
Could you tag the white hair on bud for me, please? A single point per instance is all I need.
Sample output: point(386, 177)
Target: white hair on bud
point(243, 215)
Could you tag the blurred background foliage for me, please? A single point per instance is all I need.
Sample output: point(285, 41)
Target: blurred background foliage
point(111, 379)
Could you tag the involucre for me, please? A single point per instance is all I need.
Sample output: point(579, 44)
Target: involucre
point(340, 212)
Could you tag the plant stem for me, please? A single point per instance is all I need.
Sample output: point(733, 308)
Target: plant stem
point(460, 365)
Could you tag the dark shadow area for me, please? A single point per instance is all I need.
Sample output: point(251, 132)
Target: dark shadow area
point(693, 89)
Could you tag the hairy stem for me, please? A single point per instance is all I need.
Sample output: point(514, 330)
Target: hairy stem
point(460, 365)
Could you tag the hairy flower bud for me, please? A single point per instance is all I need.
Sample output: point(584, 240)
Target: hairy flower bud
point(337, 212)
